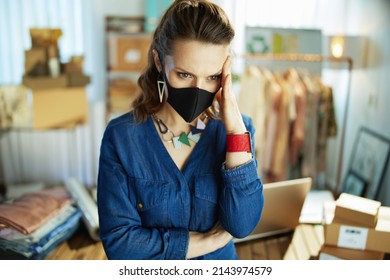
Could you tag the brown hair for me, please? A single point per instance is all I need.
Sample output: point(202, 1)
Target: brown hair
point(199, 20)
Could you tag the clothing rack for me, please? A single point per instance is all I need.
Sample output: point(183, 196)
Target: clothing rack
point(317, 58)
point(301, 57)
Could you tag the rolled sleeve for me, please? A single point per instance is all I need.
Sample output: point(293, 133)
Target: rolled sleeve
point(241, 177)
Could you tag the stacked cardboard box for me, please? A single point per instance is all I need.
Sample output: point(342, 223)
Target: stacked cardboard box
point(336, 253)
point(128, 53)
point(43, 69)
point(59, 107)
point(59, 99)
point(356, 228)
point(74, 72)
point(121, 94)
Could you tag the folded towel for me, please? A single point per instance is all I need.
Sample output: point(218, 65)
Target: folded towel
point(30, 211)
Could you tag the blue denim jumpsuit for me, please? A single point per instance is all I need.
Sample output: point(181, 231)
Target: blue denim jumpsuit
point(147, 206)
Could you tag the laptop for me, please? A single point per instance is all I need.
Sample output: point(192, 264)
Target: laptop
point(283, 202)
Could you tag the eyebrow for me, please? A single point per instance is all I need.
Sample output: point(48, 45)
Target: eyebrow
point(188, 72)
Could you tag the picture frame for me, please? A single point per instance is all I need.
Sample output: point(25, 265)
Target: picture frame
point(354, 185)
point(370, 156)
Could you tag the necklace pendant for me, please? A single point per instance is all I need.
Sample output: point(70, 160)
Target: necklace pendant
point(194, 137)
point(184, 139)
point(195, 130)
point(200, 124)
point(176, 142)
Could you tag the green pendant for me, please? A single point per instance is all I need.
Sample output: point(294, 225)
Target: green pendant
point(184, 139)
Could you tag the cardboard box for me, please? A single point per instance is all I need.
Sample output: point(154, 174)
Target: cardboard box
point(383, 223)
point(33, 57)
point(349, 254)
point(363, 238)
point(59, 107)
point(121, 94)
point(75, 65)
point(356, 210)
point(129, 53)
point(78, 80)
point(45, 82)
point(122, 91)
point(120, 103)
point(44, 37)
point(124, 83)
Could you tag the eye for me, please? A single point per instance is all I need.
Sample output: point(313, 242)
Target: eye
point(184, 75)
point(215, 77)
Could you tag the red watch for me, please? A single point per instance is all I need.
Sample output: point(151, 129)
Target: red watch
point(239, 143)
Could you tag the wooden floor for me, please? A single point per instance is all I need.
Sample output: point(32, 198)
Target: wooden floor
point(82, 247)
point(79, 247)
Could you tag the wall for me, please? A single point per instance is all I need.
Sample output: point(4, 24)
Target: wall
point(370, 98)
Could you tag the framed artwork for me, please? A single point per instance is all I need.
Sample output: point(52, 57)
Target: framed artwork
point(353, 184)
point(370, 156)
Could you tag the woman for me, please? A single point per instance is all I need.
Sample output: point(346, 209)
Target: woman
point(177, 179)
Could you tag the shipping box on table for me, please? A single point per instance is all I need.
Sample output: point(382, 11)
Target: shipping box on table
point(356, 210)
point(45, 82)
point(78, 80)
point(128, 53)
point(75, 65)
point(354, 237)
point(33, 57)
point(59, 107)
point(121, 94)
point(332, 252)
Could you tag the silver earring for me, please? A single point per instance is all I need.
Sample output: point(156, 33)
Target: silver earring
point(161, 86)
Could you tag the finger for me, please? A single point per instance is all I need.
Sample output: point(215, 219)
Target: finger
point(218, 96)
point(226, 77)
point(227, 91)
point(227, 65)
point(226, 69)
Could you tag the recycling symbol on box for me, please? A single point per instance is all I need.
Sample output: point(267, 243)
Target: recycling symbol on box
point(257, 44)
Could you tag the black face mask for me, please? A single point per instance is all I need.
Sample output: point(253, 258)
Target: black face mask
point(189, 103)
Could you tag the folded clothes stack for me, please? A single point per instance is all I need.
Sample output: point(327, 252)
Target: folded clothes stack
point(34, 224)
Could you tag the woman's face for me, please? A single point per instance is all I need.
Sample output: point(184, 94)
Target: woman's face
point(196, 64)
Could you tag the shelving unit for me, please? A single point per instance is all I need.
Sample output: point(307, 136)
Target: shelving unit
point(127, 50)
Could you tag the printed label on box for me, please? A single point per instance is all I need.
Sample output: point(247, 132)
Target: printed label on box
point(352, 237)
point(132, 56)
